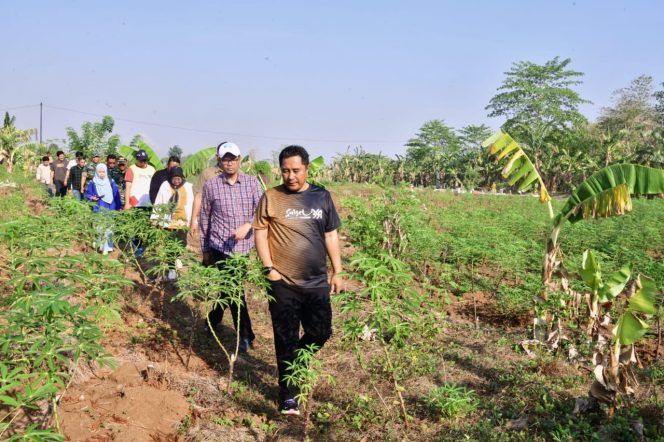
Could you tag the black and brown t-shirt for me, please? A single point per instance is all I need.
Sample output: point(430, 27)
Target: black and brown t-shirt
point(297, 223)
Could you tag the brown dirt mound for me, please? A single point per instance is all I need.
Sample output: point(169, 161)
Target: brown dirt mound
point(130, 404)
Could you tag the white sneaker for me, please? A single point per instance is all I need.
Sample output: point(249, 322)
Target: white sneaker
point(178, 264)
point(172, 275)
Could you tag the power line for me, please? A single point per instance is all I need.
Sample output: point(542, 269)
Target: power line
point(216, 132)
point(25, 106)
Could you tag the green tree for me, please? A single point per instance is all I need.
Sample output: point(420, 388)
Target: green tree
point(659, 106)
point(431, 151)
point(94, 137)
point(471, 136)
point(538, 101)
point(633, 120)
point(175, 151)
point(473, 168)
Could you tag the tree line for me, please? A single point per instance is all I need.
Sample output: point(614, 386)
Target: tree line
point(541, 110)
point(539, 104)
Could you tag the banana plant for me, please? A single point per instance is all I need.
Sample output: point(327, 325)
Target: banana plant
point(153, 158)
point(614, 351)
point(518, 167)
point(605, 193)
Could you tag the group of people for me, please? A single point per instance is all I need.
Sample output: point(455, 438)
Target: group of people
point(293, 227)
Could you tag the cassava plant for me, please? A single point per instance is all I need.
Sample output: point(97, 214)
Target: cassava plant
point(305, 372)
point(203, 285)
point(384, 311)
point(57, 299)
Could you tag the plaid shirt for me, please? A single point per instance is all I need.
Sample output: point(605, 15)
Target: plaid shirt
point(75, 175)
point(226, 207)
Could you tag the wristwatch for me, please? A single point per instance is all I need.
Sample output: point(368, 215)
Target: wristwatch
point(267, 269)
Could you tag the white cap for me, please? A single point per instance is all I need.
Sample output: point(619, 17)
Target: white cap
point(230, 148)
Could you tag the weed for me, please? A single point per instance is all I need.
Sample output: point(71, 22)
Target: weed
point(452, 401)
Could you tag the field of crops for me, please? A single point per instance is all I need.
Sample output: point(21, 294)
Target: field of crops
point(427, 345)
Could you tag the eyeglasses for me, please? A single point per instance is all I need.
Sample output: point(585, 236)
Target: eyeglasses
point(229, 160)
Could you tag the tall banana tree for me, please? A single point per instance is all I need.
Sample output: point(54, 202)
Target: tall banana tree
point(605, 193)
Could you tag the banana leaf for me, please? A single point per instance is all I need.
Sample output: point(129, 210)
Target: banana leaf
point(629, 328)
point(194, 164)
point(615, 285)
point(591, 271)
point(153, 158)
point(316, 166)
point(518, 167)
point(644, 299)
point(607, 192)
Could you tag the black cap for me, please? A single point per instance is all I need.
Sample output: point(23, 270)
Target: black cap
point(141, 155)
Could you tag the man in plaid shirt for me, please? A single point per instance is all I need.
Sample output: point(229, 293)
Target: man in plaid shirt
point(228, 204)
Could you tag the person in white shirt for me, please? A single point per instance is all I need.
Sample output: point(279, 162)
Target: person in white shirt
point(44, 175)
point(137, 190)
point(137, 181)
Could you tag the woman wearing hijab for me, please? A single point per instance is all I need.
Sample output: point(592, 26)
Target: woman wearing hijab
point(105, 193)
point(173, 207)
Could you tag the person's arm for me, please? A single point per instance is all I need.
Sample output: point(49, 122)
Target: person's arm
point(84, 178)
point(263, 249)
point(205, 224)
point(334, 252)
point(195, 213)
point(67, 179)
point(129, 177)
point(91, 193)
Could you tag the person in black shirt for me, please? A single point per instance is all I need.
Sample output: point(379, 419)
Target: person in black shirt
point(295, 229)
point(161, 176)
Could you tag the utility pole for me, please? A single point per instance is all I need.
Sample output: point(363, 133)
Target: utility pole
point(41, 107)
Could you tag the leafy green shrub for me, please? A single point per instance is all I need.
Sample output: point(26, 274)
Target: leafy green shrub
point(452, 401)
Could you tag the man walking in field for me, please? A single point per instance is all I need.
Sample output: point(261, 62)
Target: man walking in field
point(137, 190)
point(228, 204)
point(44, 175)
point(59, 174)
point(75, 177)
point(137, 182)
point(90, 170)
point(295, 227)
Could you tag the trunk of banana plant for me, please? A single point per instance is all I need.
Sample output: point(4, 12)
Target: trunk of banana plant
point(593, 315)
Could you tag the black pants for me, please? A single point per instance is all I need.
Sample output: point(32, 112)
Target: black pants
point(60, 188)
point(291, 307)
point(217, 314)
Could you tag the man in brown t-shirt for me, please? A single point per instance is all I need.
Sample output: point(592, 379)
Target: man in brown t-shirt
point(295, 227)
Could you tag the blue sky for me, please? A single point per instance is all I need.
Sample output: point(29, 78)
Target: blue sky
point(326, 75)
